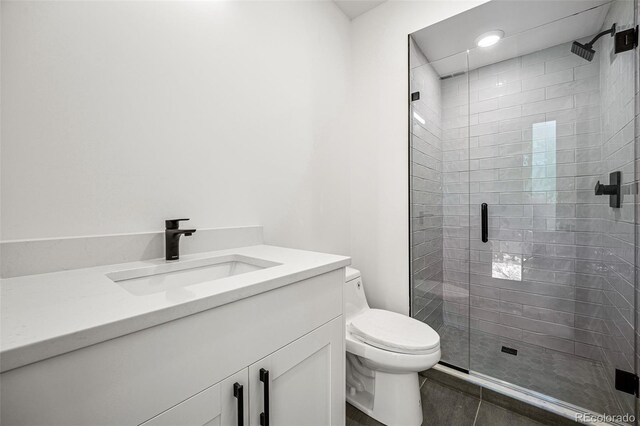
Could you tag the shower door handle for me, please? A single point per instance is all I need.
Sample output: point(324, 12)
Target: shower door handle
point(485, 222)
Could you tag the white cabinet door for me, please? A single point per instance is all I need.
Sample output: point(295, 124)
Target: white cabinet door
point(225, 403)
point(303, 382)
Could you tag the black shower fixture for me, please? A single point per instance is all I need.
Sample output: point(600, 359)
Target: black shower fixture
point(626, 40)
point(613, 190)
point(586, 50)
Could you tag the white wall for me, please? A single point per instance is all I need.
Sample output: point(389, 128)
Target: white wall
point(118, 115)
point(379, 145)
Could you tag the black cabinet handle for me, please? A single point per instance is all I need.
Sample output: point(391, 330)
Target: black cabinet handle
point(238, 392)
point(264, 378)
point(485, 222)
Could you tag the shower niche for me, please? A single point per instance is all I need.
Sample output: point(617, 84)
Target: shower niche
point(523, 191)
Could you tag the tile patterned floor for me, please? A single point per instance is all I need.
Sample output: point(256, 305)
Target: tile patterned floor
point(445, 406)
point(566, 377)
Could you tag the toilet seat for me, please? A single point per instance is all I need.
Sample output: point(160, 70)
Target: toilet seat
point(394, 332)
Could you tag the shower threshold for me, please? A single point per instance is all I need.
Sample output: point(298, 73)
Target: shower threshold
point(561, 379)
point(525, 401)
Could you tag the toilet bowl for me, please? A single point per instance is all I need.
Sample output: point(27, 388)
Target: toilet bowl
point(385, 351)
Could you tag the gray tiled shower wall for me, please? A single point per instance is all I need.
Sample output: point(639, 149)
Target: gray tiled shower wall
point(530, 136)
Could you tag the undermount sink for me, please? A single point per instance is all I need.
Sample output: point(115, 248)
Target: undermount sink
point(159, 278)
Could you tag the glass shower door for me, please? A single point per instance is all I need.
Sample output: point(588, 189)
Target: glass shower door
point(552, 286)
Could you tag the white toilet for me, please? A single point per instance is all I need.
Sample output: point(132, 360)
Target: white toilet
point(385, 352)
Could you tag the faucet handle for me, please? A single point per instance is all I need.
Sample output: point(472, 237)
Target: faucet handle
point(173, 223)
point(599, 190)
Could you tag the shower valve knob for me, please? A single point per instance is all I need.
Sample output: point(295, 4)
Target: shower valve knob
point(602, 189)
point(612, 190)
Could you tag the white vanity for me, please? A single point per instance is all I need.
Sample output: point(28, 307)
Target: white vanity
point(204, 340)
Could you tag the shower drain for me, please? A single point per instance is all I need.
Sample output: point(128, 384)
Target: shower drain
point(510, 351)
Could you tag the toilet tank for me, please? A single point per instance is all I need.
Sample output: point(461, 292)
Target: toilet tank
point(355, 300)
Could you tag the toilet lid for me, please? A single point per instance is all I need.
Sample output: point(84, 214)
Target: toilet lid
point(394, 332)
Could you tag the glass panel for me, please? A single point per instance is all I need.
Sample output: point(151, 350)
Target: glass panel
point(555, 281)
point(439, 204)
point(636, 200)
point(617, 102)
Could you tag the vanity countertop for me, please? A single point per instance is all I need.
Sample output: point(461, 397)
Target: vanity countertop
point(50, 314)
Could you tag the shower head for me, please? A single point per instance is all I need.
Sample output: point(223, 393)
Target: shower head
point(583, 50)
point(586, 51)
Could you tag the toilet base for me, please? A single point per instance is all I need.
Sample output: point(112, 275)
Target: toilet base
point(395, 399)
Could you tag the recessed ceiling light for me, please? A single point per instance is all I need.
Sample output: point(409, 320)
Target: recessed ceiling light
point(489, 38)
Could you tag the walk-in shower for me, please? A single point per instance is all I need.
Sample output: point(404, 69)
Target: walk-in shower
point(523, 196)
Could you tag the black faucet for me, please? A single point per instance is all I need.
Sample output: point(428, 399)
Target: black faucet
point(172, 238)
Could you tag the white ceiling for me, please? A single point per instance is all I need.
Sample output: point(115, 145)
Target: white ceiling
point(529, 26)
point(355, 8)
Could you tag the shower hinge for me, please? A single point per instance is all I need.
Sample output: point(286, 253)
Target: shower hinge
point(626, 40)
point(627, 382)
point(415, 96)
